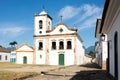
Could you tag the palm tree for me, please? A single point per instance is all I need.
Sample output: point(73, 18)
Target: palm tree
point(11, 43)
point(14, 43)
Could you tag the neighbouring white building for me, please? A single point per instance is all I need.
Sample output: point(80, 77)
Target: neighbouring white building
point(110, 25)
point(60, 45)
point(4, 55)
point(100, 47)
point(24, 54)
point(13, 56)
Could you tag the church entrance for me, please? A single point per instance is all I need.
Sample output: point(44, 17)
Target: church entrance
point(61, 59)
point(24, 60)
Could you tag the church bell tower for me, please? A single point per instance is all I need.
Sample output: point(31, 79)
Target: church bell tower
point(42, 23)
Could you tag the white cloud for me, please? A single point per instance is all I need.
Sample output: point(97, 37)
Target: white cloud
point(85, 15)
point(68, 12)
point(90, 16)
point(88, 23)
point(11, 30)
point(89, 11)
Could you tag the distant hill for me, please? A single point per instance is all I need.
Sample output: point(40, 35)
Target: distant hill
point(91, 48)
point(11, 48)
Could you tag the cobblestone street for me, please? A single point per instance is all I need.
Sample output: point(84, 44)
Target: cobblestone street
point(83, 72)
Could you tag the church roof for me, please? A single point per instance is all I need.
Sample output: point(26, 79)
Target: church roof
point(25, 47)
point(43, 13)
point(61, 23)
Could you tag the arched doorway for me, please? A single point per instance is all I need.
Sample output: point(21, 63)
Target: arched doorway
point(24, 60)
point(61, 59)
point(116, 55)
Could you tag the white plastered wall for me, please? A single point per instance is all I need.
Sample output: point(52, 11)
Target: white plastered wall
point(3, 54)
point(38, 52)
point(68, 54)
point(111, 34)
point(20, 56)
point(80, 52)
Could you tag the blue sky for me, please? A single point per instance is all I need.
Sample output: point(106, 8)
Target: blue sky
point(17, 18)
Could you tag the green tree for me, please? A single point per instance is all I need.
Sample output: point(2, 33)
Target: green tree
point(0, 45)
point(11, 44)
point(14, 43)
point(92, 54)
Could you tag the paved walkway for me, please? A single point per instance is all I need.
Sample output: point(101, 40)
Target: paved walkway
point(83, 72)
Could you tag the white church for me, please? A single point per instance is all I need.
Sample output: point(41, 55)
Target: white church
point(60, 45)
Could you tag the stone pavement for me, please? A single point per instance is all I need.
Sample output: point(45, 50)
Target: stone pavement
point(82, 72)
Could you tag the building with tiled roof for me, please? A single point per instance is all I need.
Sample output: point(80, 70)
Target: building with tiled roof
point(4, 55)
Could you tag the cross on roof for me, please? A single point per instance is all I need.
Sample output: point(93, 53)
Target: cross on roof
point(43, 8)
point(25, 41)
point(61, 18)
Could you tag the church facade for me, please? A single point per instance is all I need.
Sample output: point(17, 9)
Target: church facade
point(60, 45)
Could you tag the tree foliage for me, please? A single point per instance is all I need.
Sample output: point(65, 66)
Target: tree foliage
point(13, 44)
point(0, 45)
point(92, 54)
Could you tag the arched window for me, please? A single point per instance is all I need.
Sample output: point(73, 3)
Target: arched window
point(61, 45)
point(40, 24)
point(53, 45)
point(40, 46)
point(69, 46)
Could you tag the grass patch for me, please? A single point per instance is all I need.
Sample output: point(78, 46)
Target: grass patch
point(6, 75)
point(9, 65)
point(14, 65)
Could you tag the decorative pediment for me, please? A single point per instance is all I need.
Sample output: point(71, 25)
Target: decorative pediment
point(24, 48)
point(61, 28)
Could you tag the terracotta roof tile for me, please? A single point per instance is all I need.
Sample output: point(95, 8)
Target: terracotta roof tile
point(2, 49)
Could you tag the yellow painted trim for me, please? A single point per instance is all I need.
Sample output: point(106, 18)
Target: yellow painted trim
point(34, 51)
point(22, 46)
point(75, 50)
point(47, 51)
point(55, 35)
point(33, 58)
